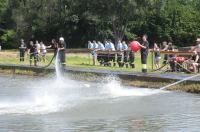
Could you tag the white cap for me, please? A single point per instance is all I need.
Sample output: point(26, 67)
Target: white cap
point(61, 39)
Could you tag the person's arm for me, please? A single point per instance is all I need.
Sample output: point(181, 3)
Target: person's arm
point(142, 46)
point(197, 58)
point(165, 48)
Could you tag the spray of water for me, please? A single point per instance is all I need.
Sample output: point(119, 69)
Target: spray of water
point(57, 66)
point(49, 95)
point(178, 82)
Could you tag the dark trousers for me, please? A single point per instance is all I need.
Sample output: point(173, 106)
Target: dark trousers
point(61, 56)
point(33, 56)
point(144, 62)
point(22, 54)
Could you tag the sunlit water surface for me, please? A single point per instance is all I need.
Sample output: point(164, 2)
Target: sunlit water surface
point(48, 104)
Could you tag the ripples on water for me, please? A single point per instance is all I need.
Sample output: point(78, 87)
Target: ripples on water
point(38, 104)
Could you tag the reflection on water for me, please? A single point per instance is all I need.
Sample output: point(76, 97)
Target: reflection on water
point(38, 104)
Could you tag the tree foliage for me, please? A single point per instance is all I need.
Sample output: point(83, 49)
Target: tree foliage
point(82, 20)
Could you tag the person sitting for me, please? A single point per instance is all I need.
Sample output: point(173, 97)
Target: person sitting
point(119, 55)
point(156, 56)
point(194, 61)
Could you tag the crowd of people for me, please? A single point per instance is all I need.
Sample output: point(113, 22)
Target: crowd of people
point(124, 56)
point(192, 61)
point(37, 50)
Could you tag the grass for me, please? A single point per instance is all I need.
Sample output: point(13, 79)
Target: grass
point(82, 60)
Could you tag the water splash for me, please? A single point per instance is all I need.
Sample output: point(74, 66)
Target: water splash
point(57, 67)
point(115, 89)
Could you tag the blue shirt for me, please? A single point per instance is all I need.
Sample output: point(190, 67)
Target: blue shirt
point(125, 47)
point(107, 47)
point(101, 46)
point(112, 47)
point(119, 46)
point(90, 45)
point(95, 46)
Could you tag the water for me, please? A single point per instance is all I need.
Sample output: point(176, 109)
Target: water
point(46, 104)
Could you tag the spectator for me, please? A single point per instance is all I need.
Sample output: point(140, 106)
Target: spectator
point(101, 57)
point(157, 56)
point(165, 48)
point(43, 51)
point(37, 44)
point(194, 61)
point(119, 55)
point(125, 49)
point(32, 51)
point(22, 50)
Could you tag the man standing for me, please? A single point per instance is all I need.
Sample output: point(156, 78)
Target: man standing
point(119, 55)
point(22, 49)
point(61, 52)
point(32, 51)
point(144, 52)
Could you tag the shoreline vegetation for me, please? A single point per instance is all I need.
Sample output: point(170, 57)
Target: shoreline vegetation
point(82, 60)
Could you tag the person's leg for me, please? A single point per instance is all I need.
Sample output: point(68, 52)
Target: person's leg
point(194, 66)
point(131, 59)
point(23, 55)
point(20, 56)
point(144, 62)
point(31, 56)
point(35, 59)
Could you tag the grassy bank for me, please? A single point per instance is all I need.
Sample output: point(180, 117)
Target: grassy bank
point(82, 60)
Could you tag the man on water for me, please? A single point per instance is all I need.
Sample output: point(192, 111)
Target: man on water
point(144, 52)
point(32, 51)
point(61, 51)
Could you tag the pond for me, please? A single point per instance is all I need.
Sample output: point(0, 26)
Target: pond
point(49, 104)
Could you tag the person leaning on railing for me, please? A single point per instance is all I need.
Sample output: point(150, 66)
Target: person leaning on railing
point(119, 55)
point(100, 57)
point(125, 49)
point(92, 47)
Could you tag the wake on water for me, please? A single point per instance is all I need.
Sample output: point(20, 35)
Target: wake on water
point(61, 93)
